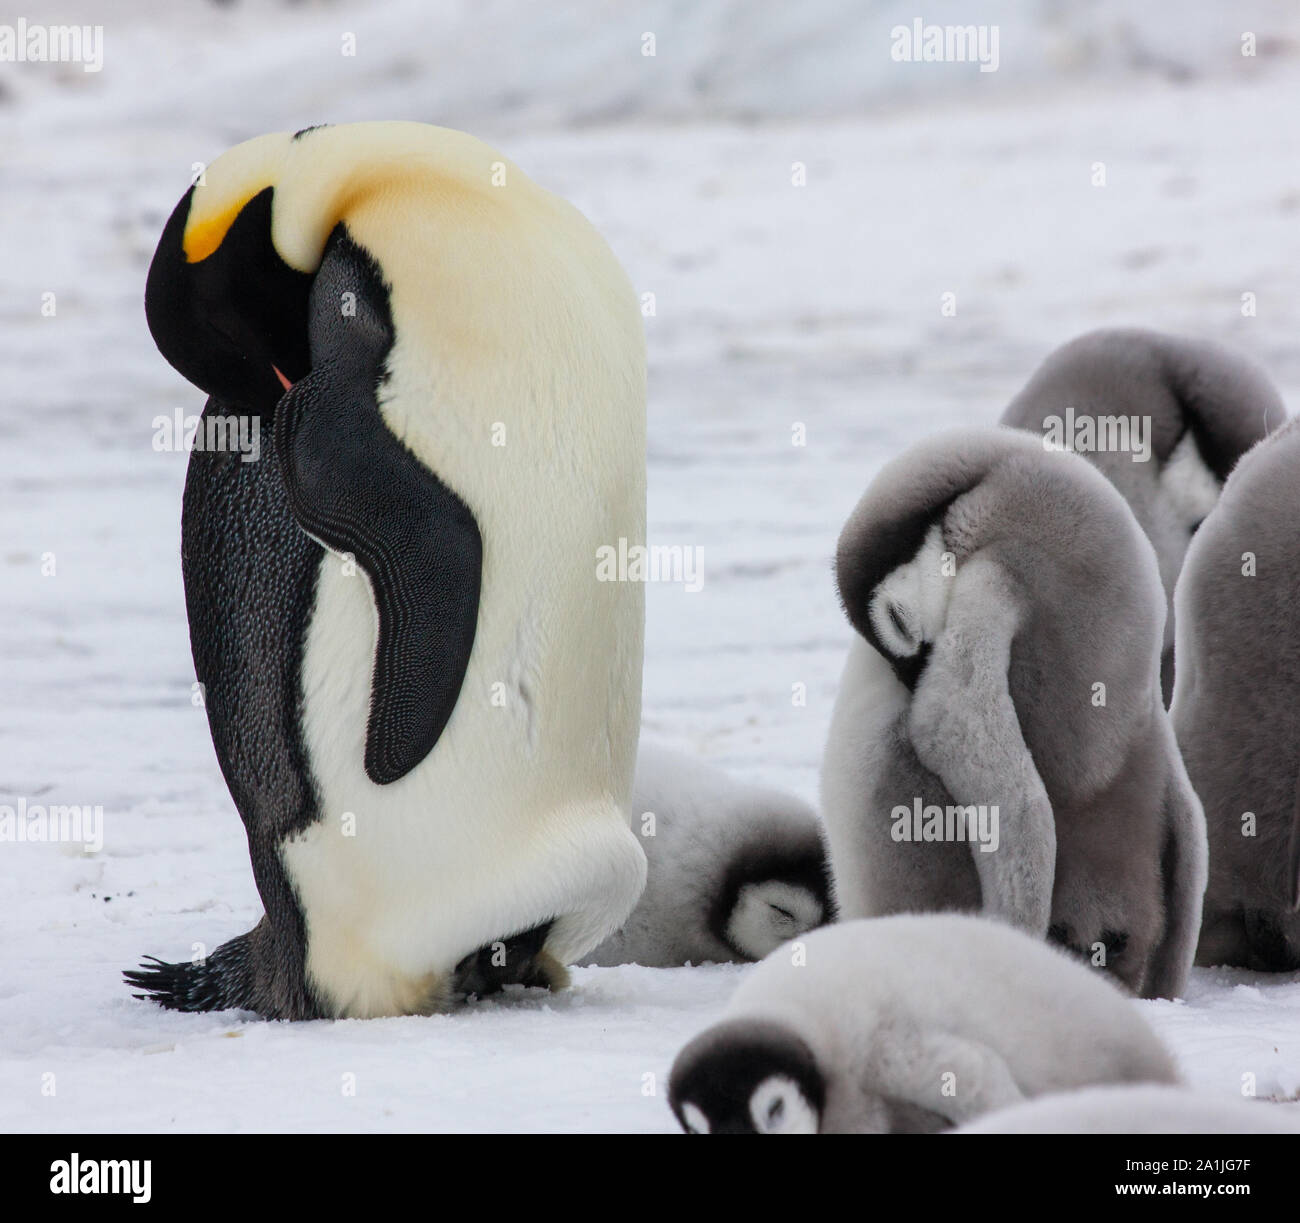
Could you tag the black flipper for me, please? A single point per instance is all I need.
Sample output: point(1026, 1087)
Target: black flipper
point(1184, 866)
point(354, 486)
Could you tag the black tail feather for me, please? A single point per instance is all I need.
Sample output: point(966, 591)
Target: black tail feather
point(220, 982)
point(247, 974)
point(178, 987)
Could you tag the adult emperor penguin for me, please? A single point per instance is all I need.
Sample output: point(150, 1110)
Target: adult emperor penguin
point(903, 1025)
point(425, 705)
point(1164, 418)
point(1234, 707)
point(999, 742)
point(734, 869)
point(1145, 1109)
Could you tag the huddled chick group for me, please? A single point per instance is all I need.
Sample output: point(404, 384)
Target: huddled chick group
point(1019, 833)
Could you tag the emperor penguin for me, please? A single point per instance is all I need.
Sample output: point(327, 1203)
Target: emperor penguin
point(1164, 418)
point(425, 705)
point(735, 869)
point(999, 742)
point(1145, 1109)
point(907, 1024)
point(1234, 710)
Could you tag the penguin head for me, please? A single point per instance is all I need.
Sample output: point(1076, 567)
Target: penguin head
point(747, 1076)
point(908, 608)
point(228, 293)
point(224, 307)
point(1216, 404)
point(904, 613)
point(1203, 405)
point(776, 888)
point(894, 565)
point(1189, 485)
point(770, 912)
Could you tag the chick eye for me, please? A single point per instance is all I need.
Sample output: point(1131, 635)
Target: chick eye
point(898, 622)
point(1196, 526)
point(776, 1110)
point(785, 913)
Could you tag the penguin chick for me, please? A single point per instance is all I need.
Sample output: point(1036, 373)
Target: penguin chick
point(734, 870)
point(999, 742)
point(903, 1025)
point(1136, 1110)
point(1234, 706)
point(1165, 418)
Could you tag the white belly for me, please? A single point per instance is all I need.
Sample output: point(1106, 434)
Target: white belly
point(869, 700)
point(516, 817)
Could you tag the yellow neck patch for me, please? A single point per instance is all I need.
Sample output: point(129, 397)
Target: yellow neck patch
point(203, 237)
point(224, 189)
point(320, 178)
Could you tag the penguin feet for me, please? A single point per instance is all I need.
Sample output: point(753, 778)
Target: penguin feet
point(1269, 948)
point(517, 960)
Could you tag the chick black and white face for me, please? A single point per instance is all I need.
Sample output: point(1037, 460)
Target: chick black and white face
point(771, 912)
point(777, 1105)
point(747, 1077)
point(909, 606)
point(1188, 485)
point(776, 887)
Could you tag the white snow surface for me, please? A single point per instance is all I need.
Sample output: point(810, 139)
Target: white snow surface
point(776, 306)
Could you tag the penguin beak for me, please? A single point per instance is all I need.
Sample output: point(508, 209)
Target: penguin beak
point(284, 382)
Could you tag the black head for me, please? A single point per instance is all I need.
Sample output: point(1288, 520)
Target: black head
point(772, 891)
point(747, 1077)
point(1222, 398)
point(229, 320)
point(894, 523)
point(863, 563)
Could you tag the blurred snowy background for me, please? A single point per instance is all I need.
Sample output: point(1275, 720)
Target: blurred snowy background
point(776, 305)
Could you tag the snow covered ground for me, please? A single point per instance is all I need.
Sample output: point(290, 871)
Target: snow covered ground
point(776, 305)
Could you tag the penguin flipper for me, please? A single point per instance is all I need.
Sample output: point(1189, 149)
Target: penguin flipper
point(355, 486)
point(935, 1062)
point(965, 730)
point(1184, 868)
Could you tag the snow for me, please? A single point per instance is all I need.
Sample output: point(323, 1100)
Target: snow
point(776, 306)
